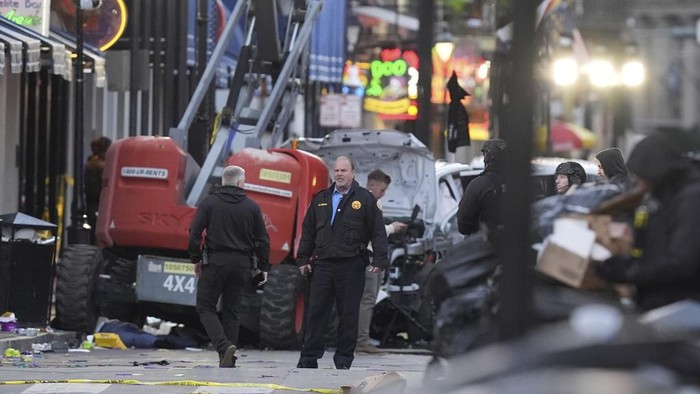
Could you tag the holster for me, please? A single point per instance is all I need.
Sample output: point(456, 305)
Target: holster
point(205, 256)
point(365, 255)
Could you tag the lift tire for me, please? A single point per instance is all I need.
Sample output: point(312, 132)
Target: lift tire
point(76, 276)
point(282, 308)
point(116, 296)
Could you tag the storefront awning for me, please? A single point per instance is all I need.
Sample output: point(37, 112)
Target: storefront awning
point(13, 48)
point(29, 50)
point(32, 47)
point(388, 16)
point(95, 61)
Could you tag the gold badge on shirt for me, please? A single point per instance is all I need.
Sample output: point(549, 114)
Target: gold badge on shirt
point(356, 205)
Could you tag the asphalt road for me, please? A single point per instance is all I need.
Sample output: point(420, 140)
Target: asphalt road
point(258, 371)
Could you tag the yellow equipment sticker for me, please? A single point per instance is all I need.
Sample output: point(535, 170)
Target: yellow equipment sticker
point(267, 174)
point(170, 267)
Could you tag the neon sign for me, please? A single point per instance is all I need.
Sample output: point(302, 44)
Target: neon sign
point(393, 86)
point(33, 14)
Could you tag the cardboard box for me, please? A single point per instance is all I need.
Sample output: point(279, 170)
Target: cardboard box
point(568, 267)
point(617, 237)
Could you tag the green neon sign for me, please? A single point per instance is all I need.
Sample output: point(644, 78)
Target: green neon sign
point(25, 20)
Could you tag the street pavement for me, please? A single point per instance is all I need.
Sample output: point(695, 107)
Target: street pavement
point(194, 371)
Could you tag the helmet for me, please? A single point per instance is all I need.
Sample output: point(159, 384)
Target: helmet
point(492, 150)
point(573, 171)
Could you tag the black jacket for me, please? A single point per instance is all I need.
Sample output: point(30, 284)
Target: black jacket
point(480, 203)
point(357, 222)
point(614, 167)
point(669, 268)
point(612, 162)
point(233, 223)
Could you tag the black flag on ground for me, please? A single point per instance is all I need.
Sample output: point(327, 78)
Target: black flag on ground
point(457, 116)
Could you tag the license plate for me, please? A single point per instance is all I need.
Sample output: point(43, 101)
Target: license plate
point(166, 280)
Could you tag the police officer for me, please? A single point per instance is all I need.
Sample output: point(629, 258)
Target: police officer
point(567, 174)
point(341, 220)
point(480, 202)
point(235, 231)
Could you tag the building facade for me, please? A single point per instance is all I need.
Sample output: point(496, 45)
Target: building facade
point(667, 38)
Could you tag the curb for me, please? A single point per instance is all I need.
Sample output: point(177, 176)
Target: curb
point(24, 343)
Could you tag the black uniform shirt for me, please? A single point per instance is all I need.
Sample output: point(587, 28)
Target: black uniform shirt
point(357, 222)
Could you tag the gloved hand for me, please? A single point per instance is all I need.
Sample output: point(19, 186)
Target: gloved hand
point(615, 269)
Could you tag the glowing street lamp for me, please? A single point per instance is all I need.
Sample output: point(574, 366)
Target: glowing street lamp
point(565, 71)
point(633, 73)
point(602, 73)
point(444, 46)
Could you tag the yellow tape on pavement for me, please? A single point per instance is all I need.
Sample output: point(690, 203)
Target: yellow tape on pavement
point(171, 383)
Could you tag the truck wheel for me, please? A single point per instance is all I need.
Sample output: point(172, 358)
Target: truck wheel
point(116, 297)
point(76, 276)
point(282, 309)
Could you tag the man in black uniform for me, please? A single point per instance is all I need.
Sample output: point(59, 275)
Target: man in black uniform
point(234, 230)
point(480, 202)
point(341, 220)
point(568, 174)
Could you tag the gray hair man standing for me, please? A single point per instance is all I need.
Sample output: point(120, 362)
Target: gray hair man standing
point(226, 233)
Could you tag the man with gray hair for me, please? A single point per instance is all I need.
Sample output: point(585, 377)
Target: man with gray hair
point(227, 234)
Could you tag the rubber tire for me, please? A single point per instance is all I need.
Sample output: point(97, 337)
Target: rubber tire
point(278, 311)
point(76, 276)
point(116, 296)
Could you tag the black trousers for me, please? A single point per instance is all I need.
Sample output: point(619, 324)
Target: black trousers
point(341, 281)
point(224, 277)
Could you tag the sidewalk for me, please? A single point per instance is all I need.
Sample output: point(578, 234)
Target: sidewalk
point(24, 343)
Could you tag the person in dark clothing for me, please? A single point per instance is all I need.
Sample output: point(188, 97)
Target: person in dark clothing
point(93, 179)
point(339, 224)
point(612, 168)
point(480, 202)
point(226, 233)
point(377, 183)
point(669, 267)
point(567, 174)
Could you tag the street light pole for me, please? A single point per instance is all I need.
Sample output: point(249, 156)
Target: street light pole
point(426, 15)
point(79, 230)
point(444, 47)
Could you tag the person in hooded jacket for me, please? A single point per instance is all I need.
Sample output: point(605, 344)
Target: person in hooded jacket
point(227, 234)
point(669, 267)
point(612, 168)
point(480, 201)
